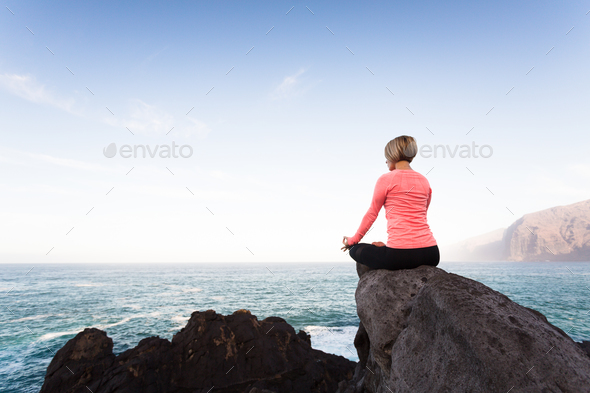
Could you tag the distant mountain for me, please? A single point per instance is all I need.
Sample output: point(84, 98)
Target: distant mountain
point(560, 233)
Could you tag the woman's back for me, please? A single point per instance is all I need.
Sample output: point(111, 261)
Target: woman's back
point(406, 204)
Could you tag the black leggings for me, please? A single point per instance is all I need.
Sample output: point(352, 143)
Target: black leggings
point(394, 258)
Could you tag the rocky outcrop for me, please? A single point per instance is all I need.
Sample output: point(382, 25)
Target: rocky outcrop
point(426, 330)
point(213, 353)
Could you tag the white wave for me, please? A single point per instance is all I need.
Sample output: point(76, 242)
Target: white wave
point(217, 297)
point(89, 285)
point(336, 340)
point(32, 318)
point(192, 289)
point(124, 320)
point(51, 336)
point(166, 294)
point(180, 318)
point(132, 306)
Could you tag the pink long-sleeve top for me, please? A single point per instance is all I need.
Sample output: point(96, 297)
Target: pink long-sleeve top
point(406, 195)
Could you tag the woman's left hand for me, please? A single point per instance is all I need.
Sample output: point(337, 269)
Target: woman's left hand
point(345, 242)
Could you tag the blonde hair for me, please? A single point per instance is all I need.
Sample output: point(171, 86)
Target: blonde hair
point(402, 148)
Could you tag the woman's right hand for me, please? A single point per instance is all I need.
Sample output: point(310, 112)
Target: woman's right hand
point(345, 242)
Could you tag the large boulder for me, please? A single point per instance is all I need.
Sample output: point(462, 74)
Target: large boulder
point(214, 353)
point(81, 361)
point(426, 330)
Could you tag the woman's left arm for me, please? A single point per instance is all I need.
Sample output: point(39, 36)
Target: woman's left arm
point(379, 195)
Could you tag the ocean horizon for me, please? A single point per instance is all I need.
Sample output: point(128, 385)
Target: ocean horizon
point(45, 307)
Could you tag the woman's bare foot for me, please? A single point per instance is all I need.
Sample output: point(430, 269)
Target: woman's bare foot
point(378, 244)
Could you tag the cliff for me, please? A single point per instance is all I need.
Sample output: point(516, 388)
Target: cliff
point(560, 233)
point(426, 330)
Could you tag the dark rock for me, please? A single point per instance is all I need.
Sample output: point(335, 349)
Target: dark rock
point(585, 345)
point(213, 353)
point(432, 331)
point(81, 361)
point(256, 390)
point(362, 269)
point(304, 336)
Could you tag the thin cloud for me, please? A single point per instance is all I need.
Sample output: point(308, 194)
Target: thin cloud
point(26, 87)
point(151, 57)
point(143, 118)
point(25, 158)
point(290, 86)
point(196, 127)
point(146, 119)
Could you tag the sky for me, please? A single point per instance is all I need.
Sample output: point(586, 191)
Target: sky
point(284, 110)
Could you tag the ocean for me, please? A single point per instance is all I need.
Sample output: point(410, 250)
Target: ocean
point(44, 307)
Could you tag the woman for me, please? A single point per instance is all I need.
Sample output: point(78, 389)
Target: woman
point(406, 196)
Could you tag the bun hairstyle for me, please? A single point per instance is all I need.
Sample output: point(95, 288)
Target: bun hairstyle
point(402, 148)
